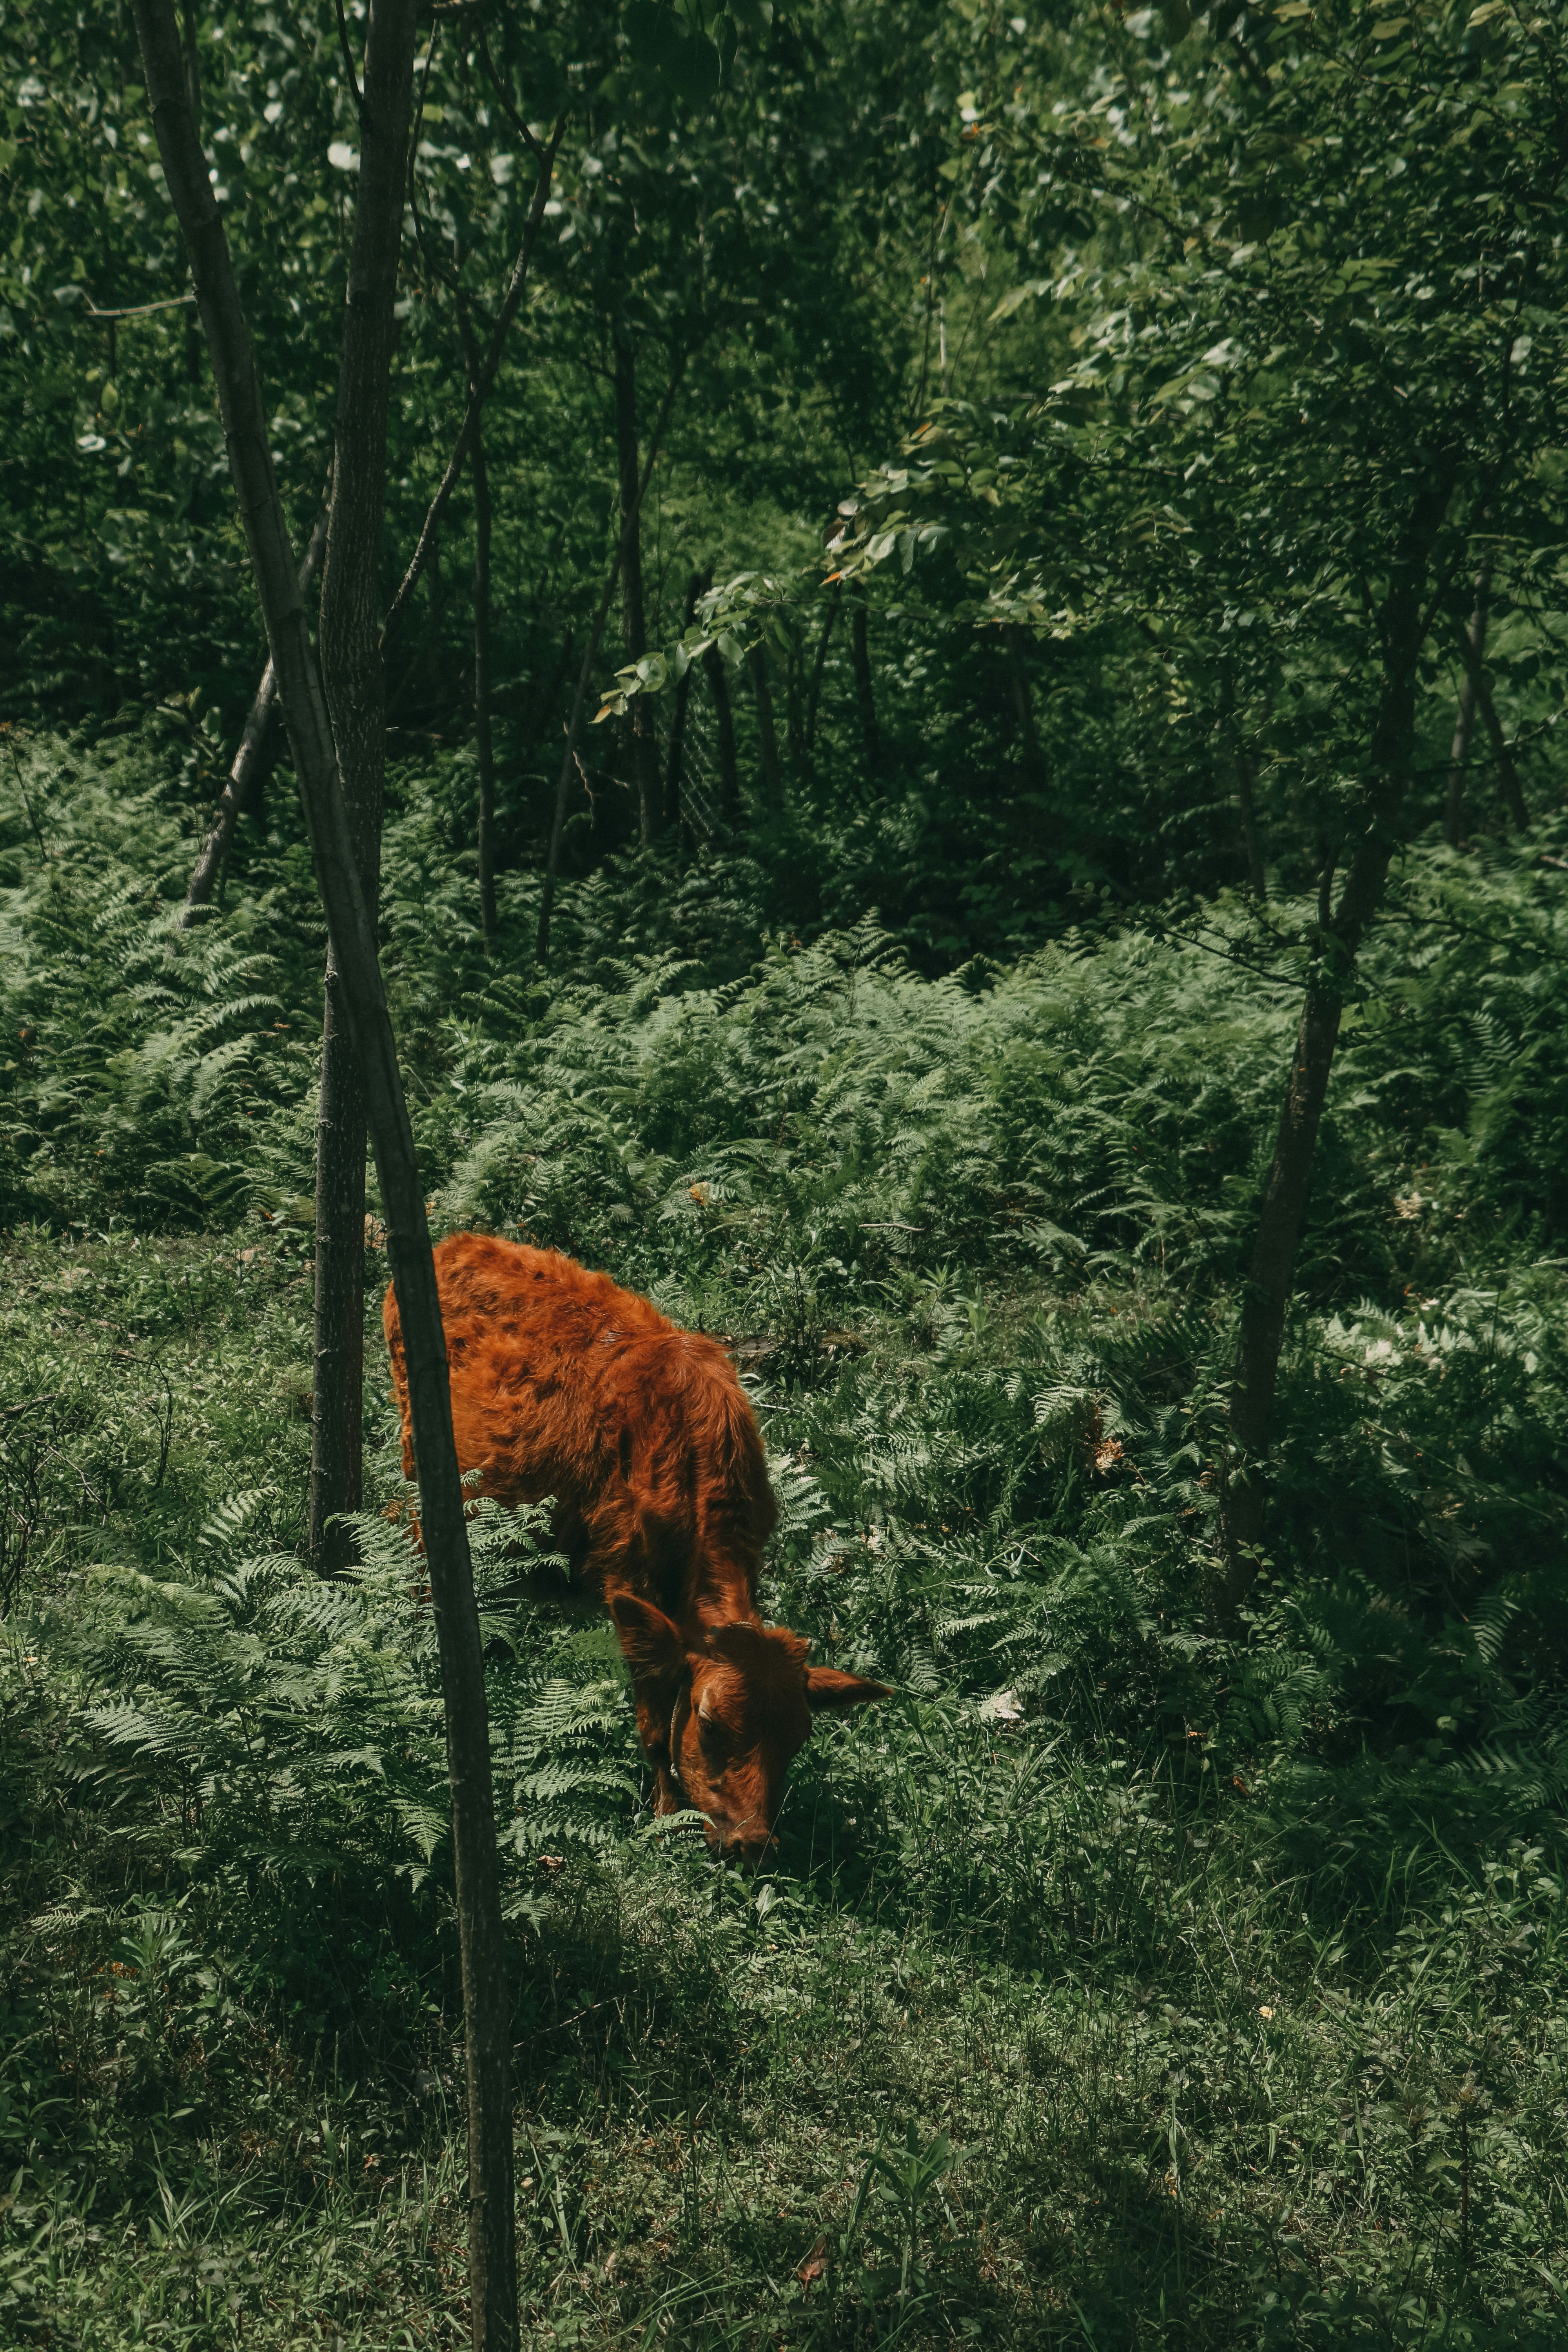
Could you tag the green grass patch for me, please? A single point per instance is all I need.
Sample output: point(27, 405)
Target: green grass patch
point(1116, 1983)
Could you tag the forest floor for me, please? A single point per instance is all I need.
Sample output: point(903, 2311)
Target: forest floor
point(1121, 1981)
point(1042, 2031)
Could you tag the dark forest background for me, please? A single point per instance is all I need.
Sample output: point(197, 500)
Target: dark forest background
point(1091, 641)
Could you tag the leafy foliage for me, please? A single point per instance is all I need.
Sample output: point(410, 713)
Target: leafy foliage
point(1055, 395)
point(973, 1240)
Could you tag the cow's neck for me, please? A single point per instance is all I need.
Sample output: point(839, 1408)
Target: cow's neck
point(718, 1592)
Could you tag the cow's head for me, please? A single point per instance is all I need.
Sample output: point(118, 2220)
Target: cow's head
point(737, 1709)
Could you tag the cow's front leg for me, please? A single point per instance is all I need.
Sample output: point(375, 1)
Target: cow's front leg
point(654, 1730)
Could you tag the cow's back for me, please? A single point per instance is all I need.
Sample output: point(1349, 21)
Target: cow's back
point(565, 1385)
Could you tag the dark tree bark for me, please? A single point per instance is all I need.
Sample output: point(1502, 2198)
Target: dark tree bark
point(355, 681)
point(642, 749)
point(492, 2273)
point(193, 72)
point(434, 663)
point(1267, 1292)
point(569, 755)
point(814, 699)
point(1251, 839)
point(794, 707)
point(235, 795)
point(864, 697)
point(698, 582)
point(1022, 707)
point(337, 1409)
point(1472, 652)
point(1502, 755)
point(484, 743)
point(767, 733)
point(724, 722)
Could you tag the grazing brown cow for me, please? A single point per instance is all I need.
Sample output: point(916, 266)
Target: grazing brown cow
point(563, 1385)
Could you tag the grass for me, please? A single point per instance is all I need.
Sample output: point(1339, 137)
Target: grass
point(1118, 1984)
point(1049, 2027)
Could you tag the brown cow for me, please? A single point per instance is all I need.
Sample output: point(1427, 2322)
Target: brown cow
point(563, 1385)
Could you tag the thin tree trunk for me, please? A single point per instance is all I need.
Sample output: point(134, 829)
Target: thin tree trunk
point(246, 765)
point(1024, 707)
point(866, 700)
point(641, 748)
point(192, 62)
point(193, 73)
point(1503, 754)
point(1267, 1292)
point(1246, 789)
point(767, 733)
point(492, 2274)
point(1472, 649)
point(794, 712)
point(355, 681)
point(814, 700)
point(724, 720)
point(672, 773)
point(481, 390)
point(435, 666)
point(568, 757)
point(484, 744)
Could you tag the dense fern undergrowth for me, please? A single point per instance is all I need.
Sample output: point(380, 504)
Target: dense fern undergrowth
point(1117, 1984)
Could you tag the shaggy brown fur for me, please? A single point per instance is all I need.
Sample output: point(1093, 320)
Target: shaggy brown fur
point(565, 1386)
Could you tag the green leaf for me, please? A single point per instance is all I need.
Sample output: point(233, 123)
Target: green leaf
point(692, 68)
point(1016, 298)
point(687, 62)
point(643, 23)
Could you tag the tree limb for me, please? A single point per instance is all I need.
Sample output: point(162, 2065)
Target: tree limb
point(482, 388)
point(628, 526)
point(488, 2038)
point(518, 124)
point(247, 761)
point(349, 62)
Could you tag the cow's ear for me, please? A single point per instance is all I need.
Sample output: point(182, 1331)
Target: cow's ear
point(651, 1643)
point(826, 1688)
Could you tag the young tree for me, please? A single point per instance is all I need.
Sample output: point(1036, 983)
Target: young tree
point(336, 853)
point(484, 740)
point(641, 742)
point(1472, 653)
point(354, 684)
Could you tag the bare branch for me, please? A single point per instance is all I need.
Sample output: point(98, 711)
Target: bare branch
point(143, 309)
point(349, 62)
point(512, 116)
point(628, 526)
point(247, 760)
point(433, 262)
point(480, 392)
